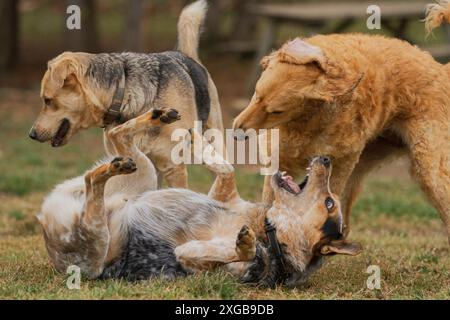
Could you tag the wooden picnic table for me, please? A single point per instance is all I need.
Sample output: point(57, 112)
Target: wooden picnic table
point(395, 17)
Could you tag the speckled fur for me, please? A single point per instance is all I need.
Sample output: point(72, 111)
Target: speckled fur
point(112, 222)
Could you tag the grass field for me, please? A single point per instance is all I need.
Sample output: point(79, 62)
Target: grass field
point(400, 231)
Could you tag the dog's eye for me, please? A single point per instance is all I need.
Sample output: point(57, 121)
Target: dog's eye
point(329, 203)
point(47, 101)
point(277, 112)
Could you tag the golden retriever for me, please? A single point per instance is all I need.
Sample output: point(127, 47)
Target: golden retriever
point(359, 99)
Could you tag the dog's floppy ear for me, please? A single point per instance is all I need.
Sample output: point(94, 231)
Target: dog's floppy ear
point(300, 52)
point(341, 247)
point(62, 72)
point(336, 84)
point(264, 63)
point(332, 89)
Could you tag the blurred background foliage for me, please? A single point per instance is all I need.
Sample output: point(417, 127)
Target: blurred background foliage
point(33, 31)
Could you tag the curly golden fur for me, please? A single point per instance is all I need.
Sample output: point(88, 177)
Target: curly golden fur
point(360, 99)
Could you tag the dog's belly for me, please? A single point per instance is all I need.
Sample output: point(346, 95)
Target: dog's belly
point(157, 222)
point(143, 257)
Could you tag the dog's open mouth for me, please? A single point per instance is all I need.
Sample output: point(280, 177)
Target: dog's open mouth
point(61, 134)
point(287, 183)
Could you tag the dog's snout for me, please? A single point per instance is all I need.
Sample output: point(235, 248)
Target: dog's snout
point(326, 161)
point(237, 125)
point(33, 134)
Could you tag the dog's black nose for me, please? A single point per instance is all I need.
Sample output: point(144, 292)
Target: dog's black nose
point(33, 134)
point(326, 161)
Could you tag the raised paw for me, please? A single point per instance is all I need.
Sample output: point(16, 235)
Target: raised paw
point(246, 244)
point(166, 116)
point(117, 166)
point(121, 165)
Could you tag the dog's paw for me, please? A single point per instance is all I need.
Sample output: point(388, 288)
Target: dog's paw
point(246, 244)
point(118, 165)
point(121, 165)
point(166, 115)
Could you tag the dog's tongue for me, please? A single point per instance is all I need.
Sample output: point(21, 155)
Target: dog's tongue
point(294, 187)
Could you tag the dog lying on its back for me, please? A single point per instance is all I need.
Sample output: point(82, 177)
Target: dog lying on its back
point(361, 100)
point(111, 225)
point(82, 90)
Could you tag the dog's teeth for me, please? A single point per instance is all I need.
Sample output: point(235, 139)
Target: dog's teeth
point(283, 173)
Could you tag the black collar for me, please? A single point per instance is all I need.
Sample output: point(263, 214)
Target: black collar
point(274, 246)
point(113, 114)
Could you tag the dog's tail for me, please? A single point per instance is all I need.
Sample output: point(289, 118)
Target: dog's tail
point(437, 14)
point(189, 25)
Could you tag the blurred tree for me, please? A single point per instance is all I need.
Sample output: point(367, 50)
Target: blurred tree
point(9, 32)
point(85, 39)
point(133, 20)
point(244, 24)
point(212, 23)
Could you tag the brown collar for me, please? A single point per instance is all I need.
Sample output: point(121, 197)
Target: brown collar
point(113, 114)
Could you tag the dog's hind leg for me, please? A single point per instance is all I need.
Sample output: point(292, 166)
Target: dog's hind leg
point(224, 188)
point(92, 234)
point(429, 145)
point(204, 255)
point(267, 194)
point(373, 155)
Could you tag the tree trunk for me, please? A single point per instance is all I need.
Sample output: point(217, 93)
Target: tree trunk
point(85, 39)
point(212, 23)
point(244, 24)
point(132, 32)
point(9, 33)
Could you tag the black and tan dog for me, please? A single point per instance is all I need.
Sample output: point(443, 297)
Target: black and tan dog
point(82, 90)
point(109, 224)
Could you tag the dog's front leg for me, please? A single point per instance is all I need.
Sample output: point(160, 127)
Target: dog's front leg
point(342, 170)
point(123, 140)
point(92, 234)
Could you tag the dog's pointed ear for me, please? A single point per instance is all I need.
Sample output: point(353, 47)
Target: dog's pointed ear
point(300, 52)
point(341, 247)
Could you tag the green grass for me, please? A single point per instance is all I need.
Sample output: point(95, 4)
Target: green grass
point(396, 199)
point(399, 230)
